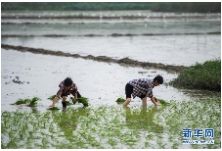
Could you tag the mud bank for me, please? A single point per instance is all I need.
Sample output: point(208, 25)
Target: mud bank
point(124, 61)
point(179, 16)
point(112, 35)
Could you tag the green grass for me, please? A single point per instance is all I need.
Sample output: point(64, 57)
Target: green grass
point(206, 76)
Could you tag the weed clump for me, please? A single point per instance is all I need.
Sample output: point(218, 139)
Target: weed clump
point(206, 76)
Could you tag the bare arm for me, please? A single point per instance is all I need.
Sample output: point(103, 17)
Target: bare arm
point(153, 99)
point(74, 93)
point(54, 102)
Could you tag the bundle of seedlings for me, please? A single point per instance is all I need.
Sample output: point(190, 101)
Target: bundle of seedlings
point(68, 103)
point(53, 108)
point(162, 102)
point(82, 100)
point(33, 102)
point(28, 102)
point(53, 97)
point(120, 100)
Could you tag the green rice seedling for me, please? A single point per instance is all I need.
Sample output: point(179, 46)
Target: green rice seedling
point(53, 97)
point(33, 102)
point(53, 108)
point(162, 102)
point(83, 100)
point(120, 100)
point(22, 101)
point(74, 100)
point(68, 103)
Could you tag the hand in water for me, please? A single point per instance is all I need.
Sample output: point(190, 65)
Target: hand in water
point(52, 105)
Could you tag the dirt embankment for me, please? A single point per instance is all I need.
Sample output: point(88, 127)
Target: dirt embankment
point(115, 17)
point(111, 35)
point(124, 61)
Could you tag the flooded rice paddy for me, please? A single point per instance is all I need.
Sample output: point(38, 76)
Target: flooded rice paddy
point(105, 123)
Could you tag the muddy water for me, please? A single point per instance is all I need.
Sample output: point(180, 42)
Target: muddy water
point(172, 50)
point(101, 82)
point(178, 40)
point(179, 49)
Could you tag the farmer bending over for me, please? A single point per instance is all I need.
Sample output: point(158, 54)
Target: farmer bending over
point(67, 87)
point(142, 88)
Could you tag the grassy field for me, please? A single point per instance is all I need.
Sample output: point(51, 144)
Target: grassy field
point(205, 76)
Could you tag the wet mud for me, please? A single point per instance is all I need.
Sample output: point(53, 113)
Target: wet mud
point(124, 61)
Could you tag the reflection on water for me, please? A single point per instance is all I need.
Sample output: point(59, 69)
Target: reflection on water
point(167, 49)
point(143, 119)
point(65, 27)
point(172, 50)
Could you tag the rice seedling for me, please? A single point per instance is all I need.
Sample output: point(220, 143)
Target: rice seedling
point(33, 102)
point(162, 102)
point(68, 103)
point(111, 126)
point(30, 102)
point(120, 100)
point(21, 101)
point(53, 97)
point(83, 100)
point(53, 108)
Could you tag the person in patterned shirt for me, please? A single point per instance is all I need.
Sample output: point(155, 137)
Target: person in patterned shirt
point(67, 87)
point(142, 88)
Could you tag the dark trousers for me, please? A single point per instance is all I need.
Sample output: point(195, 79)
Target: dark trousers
point(129, 91)
point(64, 103)
point(78, 94)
